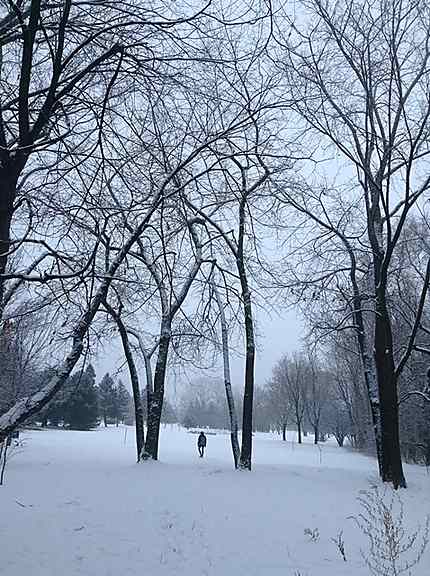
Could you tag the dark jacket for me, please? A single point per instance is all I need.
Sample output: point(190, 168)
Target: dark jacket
point(202, 440)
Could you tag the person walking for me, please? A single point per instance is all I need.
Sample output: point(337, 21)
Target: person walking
point(201, 444)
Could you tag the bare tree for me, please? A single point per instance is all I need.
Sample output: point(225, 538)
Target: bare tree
point(291, 380)
point(170, 305)
point(279, 400)
point(237, 250)
point(59, 65)
point(357, 76)
point(97, 243)
point(31, 405)
point(317, 396)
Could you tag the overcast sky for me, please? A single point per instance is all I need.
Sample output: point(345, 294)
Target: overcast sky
point(277, 334)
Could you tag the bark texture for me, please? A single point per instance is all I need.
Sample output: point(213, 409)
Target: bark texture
point(155, 407)
point(8, 183)
point(391, 460)
point(248, 396)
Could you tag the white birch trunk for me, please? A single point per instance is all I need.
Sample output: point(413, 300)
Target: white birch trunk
point(227, 379)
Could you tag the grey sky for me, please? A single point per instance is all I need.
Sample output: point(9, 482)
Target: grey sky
point(277, 334)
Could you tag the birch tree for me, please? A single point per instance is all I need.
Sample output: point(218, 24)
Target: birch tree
point(227, 376)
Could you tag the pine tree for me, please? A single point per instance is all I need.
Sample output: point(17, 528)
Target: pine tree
point(81, 409)
point(107, 398)
point(121, 402)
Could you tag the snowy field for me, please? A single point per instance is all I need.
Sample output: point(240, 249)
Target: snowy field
point(75, 503)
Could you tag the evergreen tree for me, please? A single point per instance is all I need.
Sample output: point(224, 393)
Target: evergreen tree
point(81, 409)
point(121, 402)
point(107, 398)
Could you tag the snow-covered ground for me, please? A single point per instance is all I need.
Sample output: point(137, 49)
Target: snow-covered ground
point(76, 503)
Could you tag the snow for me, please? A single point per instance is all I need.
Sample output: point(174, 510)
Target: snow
point(76, 503)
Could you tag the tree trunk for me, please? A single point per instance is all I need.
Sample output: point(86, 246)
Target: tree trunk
point(157, 397)
point(427, 454)
point(3, 460)
point(248, 397)
point(316, 434)
point(371, 382)
point(105, 419)
point(8, 183)
point(284, 431)
point(388, 437)
point(227, 380)
point(367, 360)
point(2, 447)
point(340, 439)
point(138, 410)
point(233, 423)
point(299, 432)
point(148, 374)
point(391, 460)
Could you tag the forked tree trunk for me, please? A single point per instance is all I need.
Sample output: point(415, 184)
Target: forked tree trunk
point(169, 310)
point(157, 397)
point(138, 410)
point(316, 434)
point(237, 249)
point(227, 380)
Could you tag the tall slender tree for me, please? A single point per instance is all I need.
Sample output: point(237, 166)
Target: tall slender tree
point(357, 76)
